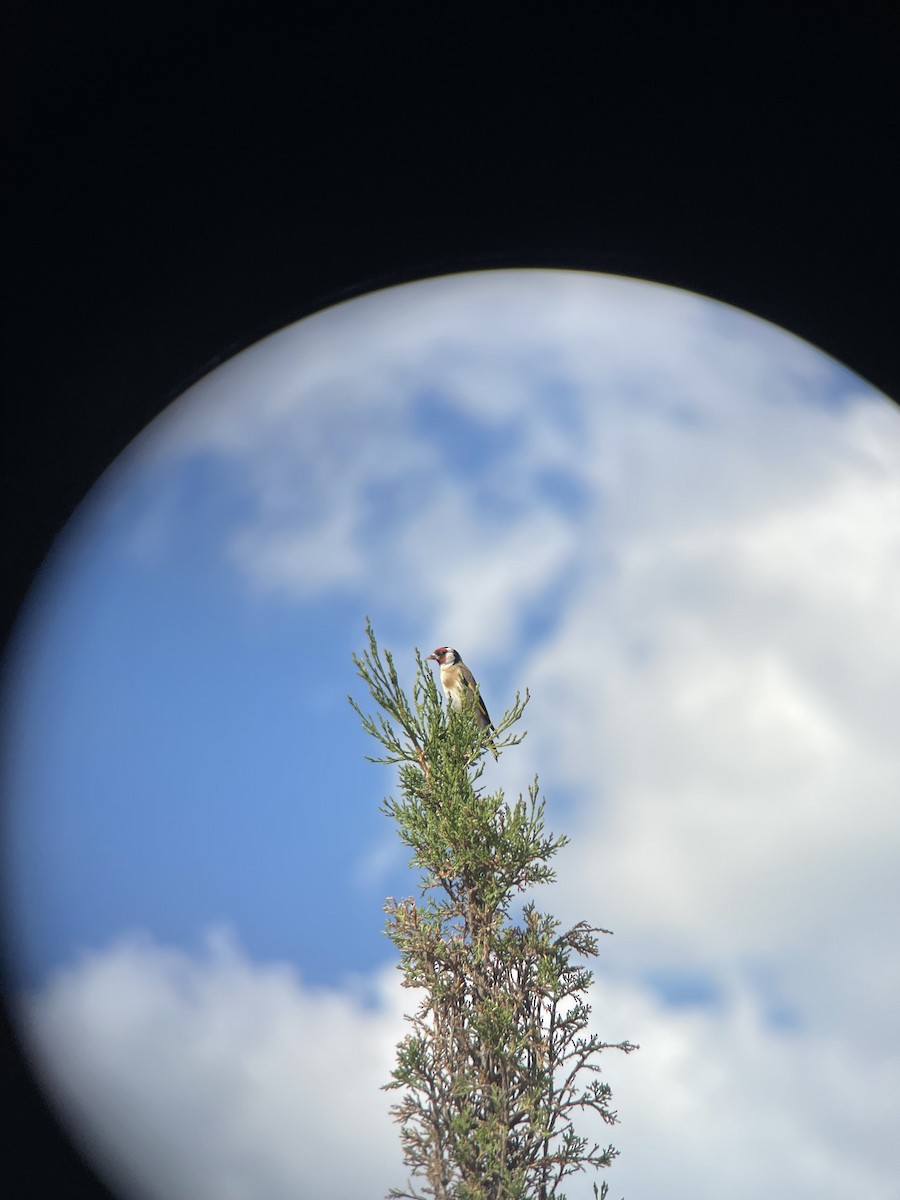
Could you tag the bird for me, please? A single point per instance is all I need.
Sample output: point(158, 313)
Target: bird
point(460, 687)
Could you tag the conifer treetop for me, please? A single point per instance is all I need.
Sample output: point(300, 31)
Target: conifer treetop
point(497, 1062)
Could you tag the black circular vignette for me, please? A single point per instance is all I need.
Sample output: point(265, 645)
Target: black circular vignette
point(181, 182)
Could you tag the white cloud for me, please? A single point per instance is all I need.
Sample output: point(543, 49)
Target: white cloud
point(719, 1104)
point(654, 400)
point(219, 1077)
point(302, 561)
point(214, 1076)
point(317, 415)
point(720, 701)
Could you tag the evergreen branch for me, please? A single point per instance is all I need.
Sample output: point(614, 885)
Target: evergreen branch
point(491, 1071)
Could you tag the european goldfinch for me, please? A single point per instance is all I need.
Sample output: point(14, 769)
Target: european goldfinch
point(460, 687)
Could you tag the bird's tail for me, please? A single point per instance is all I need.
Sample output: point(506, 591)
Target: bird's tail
point(491, 743)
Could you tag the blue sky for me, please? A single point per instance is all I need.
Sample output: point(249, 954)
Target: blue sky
point(170, 784)
point(675, 524)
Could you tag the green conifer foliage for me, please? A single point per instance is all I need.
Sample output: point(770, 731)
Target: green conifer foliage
point(498, 1061)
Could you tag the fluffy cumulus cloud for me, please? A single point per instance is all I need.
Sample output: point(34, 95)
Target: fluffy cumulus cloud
point(740, 673)
point(721, 1104)
point(680, 528)
point(213, 1076)
point(500, 431)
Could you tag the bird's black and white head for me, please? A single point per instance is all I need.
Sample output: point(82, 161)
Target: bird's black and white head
point(445, 656)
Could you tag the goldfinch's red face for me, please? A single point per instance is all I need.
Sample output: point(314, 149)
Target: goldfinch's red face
point(445, 656)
